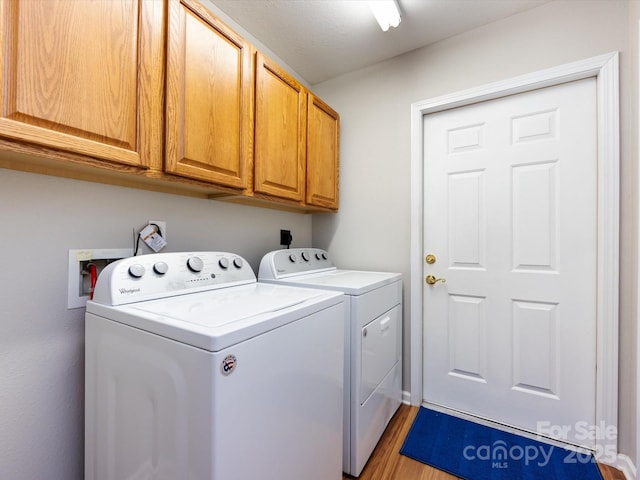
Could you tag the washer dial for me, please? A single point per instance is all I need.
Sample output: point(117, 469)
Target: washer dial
point(136, 270)
point(195, 264)
point(161, 268)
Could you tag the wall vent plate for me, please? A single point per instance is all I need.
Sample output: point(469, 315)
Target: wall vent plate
point(79, 280)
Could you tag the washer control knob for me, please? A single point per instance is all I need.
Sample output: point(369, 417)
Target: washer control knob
point(223, 262)
point(318, 257)
point(237, 262)
point(136, 270)
point(195, 264)
point(324, 256)
point(293, 258)
point(305, 256)
point(160, 268)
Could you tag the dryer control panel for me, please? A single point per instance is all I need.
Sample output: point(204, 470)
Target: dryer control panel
point(161, 275)
point(294, 261)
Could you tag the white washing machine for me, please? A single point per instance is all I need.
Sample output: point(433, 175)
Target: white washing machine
point(194, 371)
point(373, 349)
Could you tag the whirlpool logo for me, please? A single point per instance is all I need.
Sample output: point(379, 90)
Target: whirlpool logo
point(128, 291)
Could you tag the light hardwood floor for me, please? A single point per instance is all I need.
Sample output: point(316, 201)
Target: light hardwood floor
point(386, 463)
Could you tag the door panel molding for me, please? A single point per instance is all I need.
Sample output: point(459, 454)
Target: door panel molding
point(605, 69)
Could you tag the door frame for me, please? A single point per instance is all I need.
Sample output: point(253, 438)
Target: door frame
point(605, 69)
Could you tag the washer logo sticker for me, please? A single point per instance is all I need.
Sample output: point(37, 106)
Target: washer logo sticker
point(228, 365)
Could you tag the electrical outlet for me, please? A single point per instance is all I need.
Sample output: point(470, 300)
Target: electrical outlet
point(79, 283)
point(162, 225)
point(285, 237)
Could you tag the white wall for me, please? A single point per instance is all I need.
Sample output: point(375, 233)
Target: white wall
point(634, 153)
point(41, 342)
point(372, 228)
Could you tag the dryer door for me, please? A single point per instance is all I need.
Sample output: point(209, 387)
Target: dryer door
point(380, 350)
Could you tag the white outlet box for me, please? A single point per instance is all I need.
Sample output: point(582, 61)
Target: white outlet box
point(77, 289)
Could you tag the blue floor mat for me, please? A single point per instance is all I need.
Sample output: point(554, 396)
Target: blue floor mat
point(477, 452)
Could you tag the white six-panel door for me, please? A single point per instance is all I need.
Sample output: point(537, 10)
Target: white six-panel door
point(510, 197)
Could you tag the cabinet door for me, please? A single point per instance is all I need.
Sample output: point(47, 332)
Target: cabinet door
point(82, 77)
point(209, 90)
point(280, 132)
point(323, 131)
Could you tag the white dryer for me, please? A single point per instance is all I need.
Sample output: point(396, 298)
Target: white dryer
point(194, 371)
point(373, 349)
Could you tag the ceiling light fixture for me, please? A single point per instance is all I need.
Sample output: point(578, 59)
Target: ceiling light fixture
point(387, 13)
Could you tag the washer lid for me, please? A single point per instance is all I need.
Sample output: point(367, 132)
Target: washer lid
point(235, 304)
point(351, 282)
point(216, 319)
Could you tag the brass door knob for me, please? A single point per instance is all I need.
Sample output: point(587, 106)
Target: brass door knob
point(431, 280)
point(430, 259)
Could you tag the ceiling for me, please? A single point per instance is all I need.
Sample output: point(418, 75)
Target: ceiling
point(321, 39)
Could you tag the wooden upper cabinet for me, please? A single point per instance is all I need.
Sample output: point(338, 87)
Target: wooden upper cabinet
point(323, 130)
point(83, 77)
point(280, 132)
point(209, 97)
point(164, 95)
